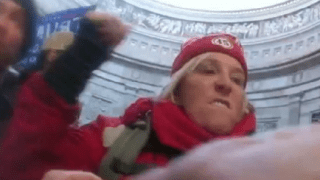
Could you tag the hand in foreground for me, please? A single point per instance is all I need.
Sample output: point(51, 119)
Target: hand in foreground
point(288, 154)
point(69, 175)
point(110, 28)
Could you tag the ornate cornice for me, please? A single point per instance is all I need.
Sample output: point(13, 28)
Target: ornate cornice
point(274, 37)
point(221, 16)
point(277, 39)
point(275, 20)
point(290, 67)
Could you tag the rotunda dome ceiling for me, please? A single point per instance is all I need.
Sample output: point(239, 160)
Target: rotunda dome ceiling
point(274, 32)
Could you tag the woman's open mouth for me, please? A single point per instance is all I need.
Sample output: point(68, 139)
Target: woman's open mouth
point(221, 103)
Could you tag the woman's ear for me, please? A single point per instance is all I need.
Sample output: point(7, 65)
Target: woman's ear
point(247, 106)
point(251, 108)
point(175, 99)
point(175, 95)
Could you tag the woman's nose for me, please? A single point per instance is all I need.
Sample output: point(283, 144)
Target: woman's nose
point(223, 86)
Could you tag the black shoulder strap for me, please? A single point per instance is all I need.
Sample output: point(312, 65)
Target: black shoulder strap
point(120, 160)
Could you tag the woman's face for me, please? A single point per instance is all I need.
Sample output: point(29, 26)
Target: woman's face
point(213, 93)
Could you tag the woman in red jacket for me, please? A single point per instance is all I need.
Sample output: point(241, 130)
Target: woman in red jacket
point(206, 100)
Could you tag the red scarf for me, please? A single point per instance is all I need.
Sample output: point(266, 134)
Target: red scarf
point(175, 129)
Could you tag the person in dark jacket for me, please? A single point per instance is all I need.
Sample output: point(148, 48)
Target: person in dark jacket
point(14, 76)
point(55, 92)
point(56, 45)
point(17, 32)
point(205, 101)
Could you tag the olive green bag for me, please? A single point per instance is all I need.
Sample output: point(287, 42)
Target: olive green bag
point(121, 158)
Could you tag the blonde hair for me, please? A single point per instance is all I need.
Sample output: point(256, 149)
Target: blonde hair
point(168, 91)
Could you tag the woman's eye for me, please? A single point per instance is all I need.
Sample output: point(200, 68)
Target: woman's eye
point(206, 70)
point(238, 81)
point(209, 71)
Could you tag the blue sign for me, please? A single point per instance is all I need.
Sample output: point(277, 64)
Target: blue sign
point(59, 21)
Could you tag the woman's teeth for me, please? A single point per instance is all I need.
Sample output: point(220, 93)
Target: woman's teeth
point(219, 104)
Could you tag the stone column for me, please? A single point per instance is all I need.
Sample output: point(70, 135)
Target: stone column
point(295, 108)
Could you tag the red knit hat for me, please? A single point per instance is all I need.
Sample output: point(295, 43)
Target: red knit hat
point(223, 43)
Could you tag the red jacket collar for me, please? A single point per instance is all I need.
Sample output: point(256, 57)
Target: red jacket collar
point(175, 129)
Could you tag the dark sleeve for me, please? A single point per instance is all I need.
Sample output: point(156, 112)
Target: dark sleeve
point(69, 74)
point(9, 85)
point(5, 109)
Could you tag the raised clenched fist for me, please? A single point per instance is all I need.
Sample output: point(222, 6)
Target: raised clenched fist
point(110, 28)
point(69, 175)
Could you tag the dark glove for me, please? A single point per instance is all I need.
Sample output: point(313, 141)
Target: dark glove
point(70, 72)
